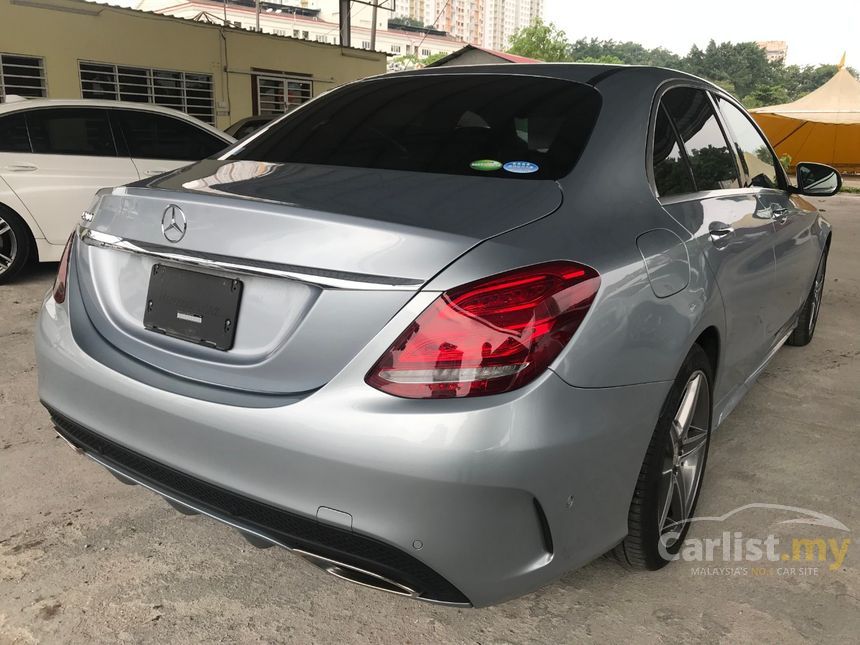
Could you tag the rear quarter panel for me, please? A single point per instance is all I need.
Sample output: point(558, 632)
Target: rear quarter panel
point(630, 335)
point(9, 199)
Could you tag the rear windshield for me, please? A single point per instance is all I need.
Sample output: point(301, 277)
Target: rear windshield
point(476, 124)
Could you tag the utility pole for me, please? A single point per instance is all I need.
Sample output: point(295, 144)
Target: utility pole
point(345, 29)
point(258, 14)
point(373, 26)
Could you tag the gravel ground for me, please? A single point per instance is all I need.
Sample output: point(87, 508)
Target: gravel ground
point(85, 559)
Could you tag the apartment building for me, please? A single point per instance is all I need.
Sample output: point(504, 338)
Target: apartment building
point(774, 49)
point(485, 23)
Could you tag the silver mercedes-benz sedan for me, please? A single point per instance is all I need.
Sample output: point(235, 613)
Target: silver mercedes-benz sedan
point(446, 333)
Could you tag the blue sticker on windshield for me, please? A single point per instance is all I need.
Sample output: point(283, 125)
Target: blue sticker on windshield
point(521, 167)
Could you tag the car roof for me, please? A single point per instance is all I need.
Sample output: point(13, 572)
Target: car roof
point(29, 104)
point(590, 73)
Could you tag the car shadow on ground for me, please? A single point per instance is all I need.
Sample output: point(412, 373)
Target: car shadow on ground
point(35, 272)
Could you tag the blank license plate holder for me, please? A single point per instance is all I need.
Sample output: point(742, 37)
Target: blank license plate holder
point(193, 306)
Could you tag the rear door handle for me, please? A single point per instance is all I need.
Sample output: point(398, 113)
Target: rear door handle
point(20, 167)
point(154, 172)
point(719, 231)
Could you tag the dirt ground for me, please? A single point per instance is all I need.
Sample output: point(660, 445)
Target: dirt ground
point(86, 559)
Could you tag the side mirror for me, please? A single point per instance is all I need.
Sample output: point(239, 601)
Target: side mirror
point(817, 180)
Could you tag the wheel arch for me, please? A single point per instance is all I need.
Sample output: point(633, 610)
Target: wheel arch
point(709, 341)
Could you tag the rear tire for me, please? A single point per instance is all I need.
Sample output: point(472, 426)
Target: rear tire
point(15, 244)
point(671, 476)
point(808, 316)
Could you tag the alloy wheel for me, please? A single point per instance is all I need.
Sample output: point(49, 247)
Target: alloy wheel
point(683, 461)
point(8, 246)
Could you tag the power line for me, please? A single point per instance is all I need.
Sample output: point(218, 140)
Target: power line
point(421, 42)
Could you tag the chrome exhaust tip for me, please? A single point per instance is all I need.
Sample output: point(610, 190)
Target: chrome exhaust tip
point(356, 575)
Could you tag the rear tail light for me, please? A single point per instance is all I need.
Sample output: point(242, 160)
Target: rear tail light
point(489, 336)
point(63, 272)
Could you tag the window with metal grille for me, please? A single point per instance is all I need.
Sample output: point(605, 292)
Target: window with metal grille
point(278, 94)
point(21, 75)
point(188, 92)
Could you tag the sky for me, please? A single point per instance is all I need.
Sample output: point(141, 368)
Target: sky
point(817, 32)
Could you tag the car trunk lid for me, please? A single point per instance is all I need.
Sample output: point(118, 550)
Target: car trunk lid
point(326, 257)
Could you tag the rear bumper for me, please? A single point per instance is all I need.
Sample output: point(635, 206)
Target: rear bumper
point(362, 478)
point(354, 556)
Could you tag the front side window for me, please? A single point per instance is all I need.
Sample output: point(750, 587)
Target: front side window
point(471, 124)
point(671, 171)
point(13, 133)
point(71, 131)
point(711, 159)
point(157, 136)
point(755, 154)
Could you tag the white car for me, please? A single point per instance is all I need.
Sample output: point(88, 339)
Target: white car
point(55, 154)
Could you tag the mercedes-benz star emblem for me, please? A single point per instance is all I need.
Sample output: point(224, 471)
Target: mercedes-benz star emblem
point(173, 223)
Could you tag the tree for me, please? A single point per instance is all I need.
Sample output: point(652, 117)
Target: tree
point(630, 53)
point(766, 95)
point(741, 69)
point(606, 59)
point(541, 41)
point(745, 65)
point(406, 21)
point(411, 61)
point(432, 58)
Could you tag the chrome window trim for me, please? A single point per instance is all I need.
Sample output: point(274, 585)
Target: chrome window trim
point(322, 278)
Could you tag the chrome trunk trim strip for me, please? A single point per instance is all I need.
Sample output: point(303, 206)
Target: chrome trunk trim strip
point(322, 278)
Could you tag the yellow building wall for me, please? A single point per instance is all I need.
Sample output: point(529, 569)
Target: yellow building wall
point(63, 32)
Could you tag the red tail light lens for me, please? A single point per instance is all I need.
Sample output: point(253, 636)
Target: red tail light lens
point(63, 272)
point(489, 336)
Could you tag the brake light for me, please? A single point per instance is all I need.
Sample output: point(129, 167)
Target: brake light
point(63, 272)
point(489, 336)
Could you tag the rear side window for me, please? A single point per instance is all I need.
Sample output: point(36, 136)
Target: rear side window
point(711, 159)
point(13, 134)
point(475, 124)
point(671, 172)
point(71, 131)
point(755, 154)
point(249, 126)
point(157, 136)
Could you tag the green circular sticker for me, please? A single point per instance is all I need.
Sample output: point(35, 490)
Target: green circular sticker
point(485, 165)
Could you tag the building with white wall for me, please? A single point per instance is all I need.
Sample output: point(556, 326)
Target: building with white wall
point(315, 20)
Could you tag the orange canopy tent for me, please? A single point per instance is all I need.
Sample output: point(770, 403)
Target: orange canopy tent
point(823, 126)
